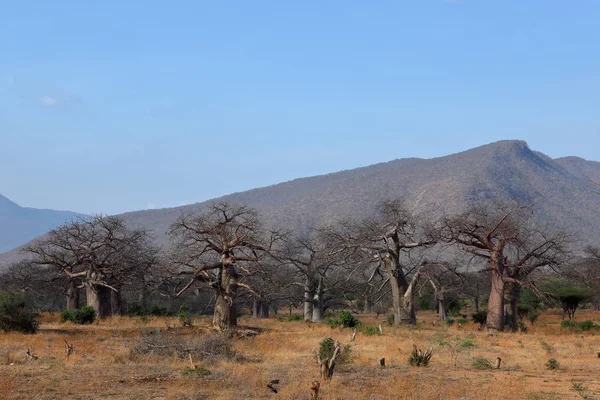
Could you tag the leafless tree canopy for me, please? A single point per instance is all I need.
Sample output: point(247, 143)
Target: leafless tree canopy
point(220, 248)
point(511, 243)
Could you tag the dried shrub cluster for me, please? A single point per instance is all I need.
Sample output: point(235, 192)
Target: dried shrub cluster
point(211, 348)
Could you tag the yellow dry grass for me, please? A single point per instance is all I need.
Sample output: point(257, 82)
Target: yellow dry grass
point(103, 366)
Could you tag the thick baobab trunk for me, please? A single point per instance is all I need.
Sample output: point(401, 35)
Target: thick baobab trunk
point(441, 309)
point(98, 297)
point(319, 303)
point(495, 317)
point(404, 312)
point(72, 294)
point(309, 294)
point(225, 315)
point(264, 310)
point(115, 303)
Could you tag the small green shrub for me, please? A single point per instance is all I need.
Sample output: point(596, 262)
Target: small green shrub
point(419, 358)
point(467, 342)
point(482, 363)
point(84, 315)
point(532, 316)
point(587, 325)
point(480, 318)
point(450, 321)
point(345, 319)
point(390, 319)
point(327, 347)
point(552, 364)
point(370, 330)
point(15, 314)
point(295, 317)
point(184, 316)
point(567, 323)
point(461, 320)
point(67, 315)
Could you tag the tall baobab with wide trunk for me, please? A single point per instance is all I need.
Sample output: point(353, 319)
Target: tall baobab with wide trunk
point(219, 248)
point(388, 239)
point(98, 253)
point(506, 236)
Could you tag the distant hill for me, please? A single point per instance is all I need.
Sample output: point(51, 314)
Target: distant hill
point(18, 225)
point(562, 189)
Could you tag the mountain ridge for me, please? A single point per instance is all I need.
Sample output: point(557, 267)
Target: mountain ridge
point(19, 225)
point(561, 189)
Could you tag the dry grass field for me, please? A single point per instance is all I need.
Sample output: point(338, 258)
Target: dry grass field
point(108, 363)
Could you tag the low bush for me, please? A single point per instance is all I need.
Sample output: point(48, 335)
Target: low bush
point(480, 318)
point(482, 363)
point(587, 325)
point(419, 358)
point(15, 314)
point(210, 349)
point(568, 323)
point(327, 347)
point(552, 364)
point(390, 319)
point(84, 315)
point(345, 319)
point(295, 317)
point(185, 317)
point(370, 330)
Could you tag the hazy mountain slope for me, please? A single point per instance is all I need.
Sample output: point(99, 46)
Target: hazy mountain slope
point(19, 225)
point(504, 170)
point(560, 189)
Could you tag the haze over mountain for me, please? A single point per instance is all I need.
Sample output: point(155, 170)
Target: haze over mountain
point(19, 225)
point(563, 190)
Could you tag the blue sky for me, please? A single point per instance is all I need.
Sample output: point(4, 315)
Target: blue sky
point(112, 106)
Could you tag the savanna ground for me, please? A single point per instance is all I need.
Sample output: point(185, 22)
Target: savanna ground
point(107, 364)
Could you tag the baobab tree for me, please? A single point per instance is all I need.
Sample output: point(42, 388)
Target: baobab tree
point(98, 253)
point(311, 261)
point(218, 249)
point(390, 241)
point(445, 279)
point(506, 236)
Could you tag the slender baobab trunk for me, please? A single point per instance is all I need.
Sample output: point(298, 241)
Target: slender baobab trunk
point(442, 309)
point(309, 294)
point(72, 294)
point(319, 303)
point(495, 317)
point(367, 305)
point(475, 303)
point(256, 306)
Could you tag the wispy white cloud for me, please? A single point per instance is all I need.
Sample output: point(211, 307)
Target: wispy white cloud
point(52, 97)
point(49, 101)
